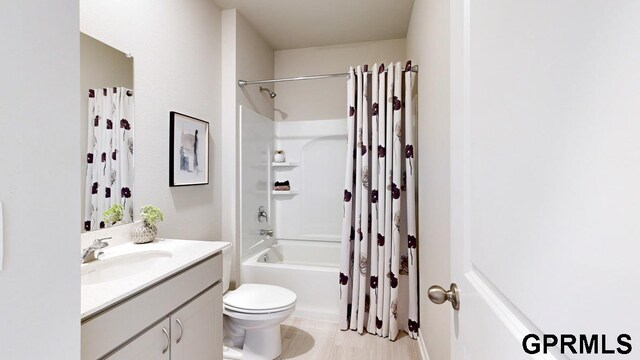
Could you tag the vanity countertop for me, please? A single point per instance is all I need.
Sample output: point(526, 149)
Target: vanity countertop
point(124, 270)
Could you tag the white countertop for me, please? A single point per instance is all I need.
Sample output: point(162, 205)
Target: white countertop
point(180, 254)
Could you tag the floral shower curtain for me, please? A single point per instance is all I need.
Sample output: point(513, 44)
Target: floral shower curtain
point(378, 273)
point(109, 155)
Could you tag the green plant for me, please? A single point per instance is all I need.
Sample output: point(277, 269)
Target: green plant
point(113, 214)
point(151, 215)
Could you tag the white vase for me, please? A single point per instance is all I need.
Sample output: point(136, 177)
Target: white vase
point(144, 234)
point(279, 156)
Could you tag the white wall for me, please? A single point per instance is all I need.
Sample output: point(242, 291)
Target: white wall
point(39, 142)
point(245, 55)
point(100, 66)
point(254, 61)
point(325, 99)
point(428, 46)
point(176, 47)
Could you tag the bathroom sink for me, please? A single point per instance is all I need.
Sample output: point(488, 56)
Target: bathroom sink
point(122, 266)
point(125, 268)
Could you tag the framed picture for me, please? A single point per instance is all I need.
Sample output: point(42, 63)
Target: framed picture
point(188, 150)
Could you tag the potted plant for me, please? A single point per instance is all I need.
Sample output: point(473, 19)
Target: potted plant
point(148, 231)
point(114, 214)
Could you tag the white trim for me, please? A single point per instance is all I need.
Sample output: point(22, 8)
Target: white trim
point(423, 348)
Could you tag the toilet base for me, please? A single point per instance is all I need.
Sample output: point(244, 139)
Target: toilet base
point(231, 353)
point(259, 344)
point(262, 344)
point(262, 339)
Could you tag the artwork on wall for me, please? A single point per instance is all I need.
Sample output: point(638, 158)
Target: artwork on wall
point(188, 150)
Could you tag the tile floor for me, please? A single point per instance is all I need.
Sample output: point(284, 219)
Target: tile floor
point(322, 340)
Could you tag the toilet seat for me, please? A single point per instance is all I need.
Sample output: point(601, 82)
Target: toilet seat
point(259, 299)
point(248, 311)
point(259, 317)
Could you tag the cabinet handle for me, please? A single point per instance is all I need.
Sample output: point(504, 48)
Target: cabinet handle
point(168, 340)
point(181, 330)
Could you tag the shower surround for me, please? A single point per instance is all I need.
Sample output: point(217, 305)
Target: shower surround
point(306, 221)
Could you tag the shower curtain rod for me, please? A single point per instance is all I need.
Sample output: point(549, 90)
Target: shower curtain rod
point(242, 83)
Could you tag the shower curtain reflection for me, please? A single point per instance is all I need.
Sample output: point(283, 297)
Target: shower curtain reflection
point(109, 179)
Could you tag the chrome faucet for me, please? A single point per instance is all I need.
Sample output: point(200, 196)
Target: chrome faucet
point(266, 232)
point(262, 214)
point(91, 253)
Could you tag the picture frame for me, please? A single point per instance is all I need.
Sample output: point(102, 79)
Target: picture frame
point(188, 150)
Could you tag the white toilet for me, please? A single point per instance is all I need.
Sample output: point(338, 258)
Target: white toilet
point(252, 317)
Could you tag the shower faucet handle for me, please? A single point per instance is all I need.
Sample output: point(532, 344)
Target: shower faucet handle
point(262, 214)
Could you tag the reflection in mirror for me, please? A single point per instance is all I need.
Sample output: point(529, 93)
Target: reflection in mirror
point(107, 121)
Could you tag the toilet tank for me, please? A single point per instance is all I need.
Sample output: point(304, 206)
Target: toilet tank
point(227, 260)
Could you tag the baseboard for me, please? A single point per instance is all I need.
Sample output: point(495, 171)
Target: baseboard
point(423, 347)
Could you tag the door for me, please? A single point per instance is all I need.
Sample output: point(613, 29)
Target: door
point(196, 328)
point(153, 344)
point(545, 132)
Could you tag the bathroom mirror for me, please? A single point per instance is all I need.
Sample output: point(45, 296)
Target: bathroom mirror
point(107, 124)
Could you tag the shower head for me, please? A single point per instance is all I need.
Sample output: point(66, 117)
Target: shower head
point(271, 93)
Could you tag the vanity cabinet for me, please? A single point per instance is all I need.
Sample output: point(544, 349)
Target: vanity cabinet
point(153, 344)
point(192, 332)
point(196, 329)
point(186, 305)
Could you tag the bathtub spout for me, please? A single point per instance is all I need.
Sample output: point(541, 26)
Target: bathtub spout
point(265, 232)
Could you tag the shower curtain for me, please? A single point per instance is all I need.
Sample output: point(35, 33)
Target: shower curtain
point(378, 270)
point(109, 178)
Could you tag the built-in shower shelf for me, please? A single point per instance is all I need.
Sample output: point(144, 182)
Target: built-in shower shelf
point(284, 165)
point(290, 192)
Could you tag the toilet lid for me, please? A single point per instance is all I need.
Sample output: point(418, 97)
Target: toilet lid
point(259, 297)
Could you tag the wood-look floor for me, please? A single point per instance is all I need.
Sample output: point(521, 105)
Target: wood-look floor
point(322, 340)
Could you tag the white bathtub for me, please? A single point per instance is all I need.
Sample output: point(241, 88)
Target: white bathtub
point(308, 268)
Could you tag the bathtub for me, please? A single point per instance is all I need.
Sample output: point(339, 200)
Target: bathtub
point(308, 268)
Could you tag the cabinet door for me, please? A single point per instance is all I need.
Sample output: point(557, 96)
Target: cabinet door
point(196, 329)
point(153, 344)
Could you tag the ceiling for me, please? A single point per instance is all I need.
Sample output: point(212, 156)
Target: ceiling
point(289, 24)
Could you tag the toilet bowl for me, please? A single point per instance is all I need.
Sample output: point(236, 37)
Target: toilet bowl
point(252, 317)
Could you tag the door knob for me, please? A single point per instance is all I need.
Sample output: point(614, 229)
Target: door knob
point(438, 295)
